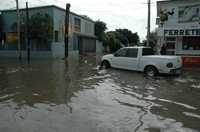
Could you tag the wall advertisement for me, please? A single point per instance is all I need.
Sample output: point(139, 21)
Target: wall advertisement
point(189, 13)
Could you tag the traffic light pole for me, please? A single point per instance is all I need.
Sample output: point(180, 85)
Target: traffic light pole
point(67, 29)
point(18, 31)
point(27, 34)
point(149, 23)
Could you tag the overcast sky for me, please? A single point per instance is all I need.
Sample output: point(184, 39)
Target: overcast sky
point(131, 14)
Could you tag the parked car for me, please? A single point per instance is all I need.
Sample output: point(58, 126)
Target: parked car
point(143, 59)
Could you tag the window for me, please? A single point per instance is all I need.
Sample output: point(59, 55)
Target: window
point(56, 36)
point(88, 27)
point(191, 43)
point(121, 53)
point(170, 45)
point(77, 24)
point(170, 39)
point(147, 51)
point(133, 53)
point(76, 42)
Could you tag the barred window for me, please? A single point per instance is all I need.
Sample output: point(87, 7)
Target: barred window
point(77, 24)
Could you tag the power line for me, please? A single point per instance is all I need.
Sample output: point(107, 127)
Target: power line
point(99, 11)
point(86, 10)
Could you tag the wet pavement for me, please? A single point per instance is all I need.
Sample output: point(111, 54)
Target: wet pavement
point(57, 96)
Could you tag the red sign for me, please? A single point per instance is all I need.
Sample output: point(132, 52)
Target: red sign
point(189, 60)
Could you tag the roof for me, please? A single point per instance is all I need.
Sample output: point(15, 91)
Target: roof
point(49, 6)
point(138, 47)
point(85, 35)
point(160, 1)
point(168, 0)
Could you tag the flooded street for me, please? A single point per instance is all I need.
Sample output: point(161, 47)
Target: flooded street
point(57, 96)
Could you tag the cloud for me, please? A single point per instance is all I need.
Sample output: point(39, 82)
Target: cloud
point(131, 14)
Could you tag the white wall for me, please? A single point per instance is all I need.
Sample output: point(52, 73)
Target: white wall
point(58, 50)
point(99, 48)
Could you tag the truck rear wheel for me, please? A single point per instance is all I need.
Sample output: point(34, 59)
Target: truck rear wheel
point(151, 71)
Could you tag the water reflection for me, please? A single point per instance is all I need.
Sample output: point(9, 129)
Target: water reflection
point(41, 82)
point(73, 95)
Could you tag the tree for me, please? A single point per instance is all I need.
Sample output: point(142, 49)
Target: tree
point(123, 39)
point(22, 24)
point(133, 38)
point(115, 39)
point(41, 27)
point(153, 40)
point(163, 16)
point(112, 41)
point(100, 28)
point(40, 30)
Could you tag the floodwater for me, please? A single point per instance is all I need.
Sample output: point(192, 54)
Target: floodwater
point(60, 96)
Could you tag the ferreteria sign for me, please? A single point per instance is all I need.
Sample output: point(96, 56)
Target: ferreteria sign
point(182, 32)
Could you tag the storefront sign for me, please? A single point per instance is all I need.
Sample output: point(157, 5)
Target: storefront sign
point(181, 32)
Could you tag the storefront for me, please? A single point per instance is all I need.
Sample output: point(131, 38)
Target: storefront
point(179, 29)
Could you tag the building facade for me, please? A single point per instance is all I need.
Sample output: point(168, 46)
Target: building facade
point(179, 27)
point(81, 37)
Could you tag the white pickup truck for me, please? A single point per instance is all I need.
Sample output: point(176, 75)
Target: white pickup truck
point(143, 59)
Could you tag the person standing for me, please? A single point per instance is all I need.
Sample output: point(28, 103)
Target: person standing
point(163, 50)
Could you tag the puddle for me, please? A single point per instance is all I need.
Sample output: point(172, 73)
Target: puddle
point(58, 96)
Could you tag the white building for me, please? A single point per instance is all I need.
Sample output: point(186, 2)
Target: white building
point(179, 26)
point(82, 39)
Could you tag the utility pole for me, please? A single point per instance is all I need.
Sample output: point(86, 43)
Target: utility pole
point(67, 28)
point(27, 34)
point(149, 23)
point(18, 30)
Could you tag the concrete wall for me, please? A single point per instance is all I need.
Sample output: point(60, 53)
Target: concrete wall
point(99, 48)
point(58, 50)
point(34, 54)
point(56, 53)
